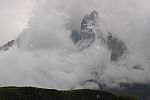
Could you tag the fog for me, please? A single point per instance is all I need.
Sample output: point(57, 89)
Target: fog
point(45, 56)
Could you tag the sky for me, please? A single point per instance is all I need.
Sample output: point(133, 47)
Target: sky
point(14, 17)
point(46, 57)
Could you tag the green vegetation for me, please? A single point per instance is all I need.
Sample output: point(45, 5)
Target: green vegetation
point(31, 93)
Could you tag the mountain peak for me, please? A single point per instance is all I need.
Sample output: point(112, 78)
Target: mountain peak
point(94, 14)
point(89, 21)
point(88, 34)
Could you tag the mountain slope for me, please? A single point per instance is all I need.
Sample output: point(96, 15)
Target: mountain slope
point(90, 32)
point(7, 46)
point(30, 93)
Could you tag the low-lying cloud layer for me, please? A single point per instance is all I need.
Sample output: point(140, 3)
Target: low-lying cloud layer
point(45, 56)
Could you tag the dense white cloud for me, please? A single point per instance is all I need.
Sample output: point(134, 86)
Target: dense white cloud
point(47, 57)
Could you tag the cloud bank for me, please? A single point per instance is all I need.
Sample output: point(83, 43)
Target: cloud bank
point(45, 56)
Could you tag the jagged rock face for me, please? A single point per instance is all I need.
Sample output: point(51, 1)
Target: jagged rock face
point(86, 36)
point(89, 22)
point(117, 47)
point(89, 33)
point(8, 45)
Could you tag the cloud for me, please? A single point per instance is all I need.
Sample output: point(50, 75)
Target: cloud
point(46, 56)
point(14, 17)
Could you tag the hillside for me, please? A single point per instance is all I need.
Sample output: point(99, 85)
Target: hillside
point(31, 93)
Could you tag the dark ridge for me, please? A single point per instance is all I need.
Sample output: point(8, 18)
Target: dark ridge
point(6, 46)
point(32, 93)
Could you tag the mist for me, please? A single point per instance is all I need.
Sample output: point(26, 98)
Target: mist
point(14, 17)
point(45, 56)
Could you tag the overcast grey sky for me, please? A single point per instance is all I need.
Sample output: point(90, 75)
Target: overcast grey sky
point(14, 14)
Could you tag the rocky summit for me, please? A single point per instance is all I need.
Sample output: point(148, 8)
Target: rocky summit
point(86, 36)
point(90, 32)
